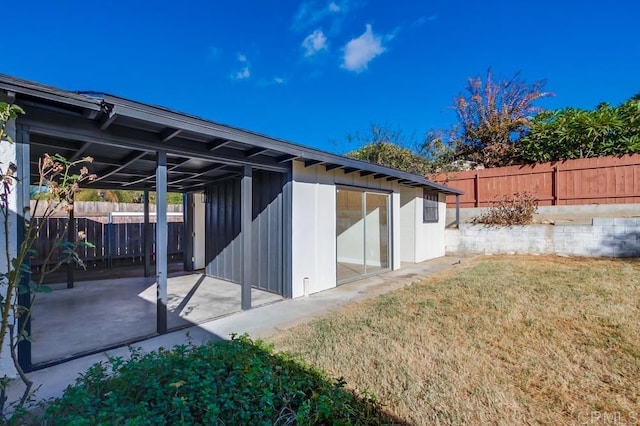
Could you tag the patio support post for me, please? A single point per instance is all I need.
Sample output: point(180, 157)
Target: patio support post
point(23, 211)
point(147, 237)
point(246, 211)
point(161, 241)
point(71, 238)
point(457, 211)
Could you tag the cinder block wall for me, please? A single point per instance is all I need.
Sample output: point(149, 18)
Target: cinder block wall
point(605, 237)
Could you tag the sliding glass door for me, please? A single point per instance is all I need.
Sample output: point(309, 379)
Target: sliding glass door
point(362, 233)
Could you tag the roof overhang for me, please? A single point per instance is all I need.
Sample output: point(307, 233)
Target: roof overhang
point(124, 136)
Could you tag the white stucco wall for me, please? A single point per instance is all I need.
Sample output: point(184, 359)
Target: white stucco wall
point(420, 241)
point(430, 236)
point(314, 223)
point(408, 207)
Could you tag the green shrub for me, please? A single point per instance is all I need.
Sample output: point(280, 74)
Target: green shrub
point(223, 382)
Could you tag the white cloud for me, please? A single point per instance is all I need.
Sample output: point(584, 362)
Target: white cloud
point(311, 12)
point(359, 51)
point(243, 74)
point(314, 43)
point(424, 19)
point(279, 80)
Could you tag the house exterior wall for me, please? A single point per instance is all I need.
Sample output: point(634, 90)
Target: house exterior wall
point(314, 223)
point(408, 216)
point(430, 236)
point(420, 241)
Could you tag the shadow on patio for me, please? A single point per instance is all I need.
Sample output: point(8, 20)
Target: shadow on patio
point(98, 315)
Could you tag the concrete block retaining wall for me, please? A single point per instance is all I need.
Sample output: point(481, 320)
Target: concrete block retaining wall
point(605, 237)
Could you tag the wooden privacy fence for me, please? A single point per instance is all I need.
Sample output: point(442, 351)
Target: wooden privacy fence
point(603, 180)
point(112, 241)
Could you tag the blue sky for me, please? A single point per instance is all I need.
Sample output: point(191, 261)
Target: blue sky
point(314, 71)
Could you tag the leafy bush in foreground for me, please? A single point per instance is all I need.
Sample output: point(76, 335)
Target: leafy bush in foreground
point(223, 382)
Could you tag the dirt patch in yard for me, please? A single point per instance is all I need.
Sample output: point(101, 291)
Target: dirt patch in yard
point(501, 340)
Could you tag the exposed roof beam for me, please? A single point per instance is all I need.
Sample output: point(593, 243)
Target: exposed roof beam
point(254, 151)
point(153, 176)
point(329, 167)
point(203, 185)
point(109, 119)
point(79, 152)
point(95, 163)
point(391, 178)
point(212, 146)
point(178, 165)
point(286, 158)
point(348, 170)
point(379, 175)
point(202, 172)
point(126, 162)
point(169, 133)
point(126, 173)
point(58, 127)
point(309, 163)
point(365, 173)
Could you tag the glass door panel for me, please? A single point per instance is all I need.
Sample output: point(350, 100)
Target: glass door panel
point(376, 236)
point(349, 234)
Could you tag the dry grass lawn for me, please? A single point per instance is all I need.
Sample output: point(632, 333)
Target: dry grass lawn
point(502, 340)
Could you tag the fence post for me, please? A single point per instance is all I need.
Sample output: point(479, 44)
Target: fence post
point(71, 238)
point(476, 188)
point(110, 242)
point(554, 179)
point(147, 235)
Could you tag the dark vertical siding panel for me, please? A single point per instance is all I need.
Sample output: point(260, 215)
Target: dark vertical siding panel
point(278, 285)
point(235, 251)
point(222, 228)
point(222, 216)
point(267, 231)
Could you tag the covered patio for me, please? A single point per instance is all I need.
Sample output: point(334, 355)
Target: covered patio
point(96, 315)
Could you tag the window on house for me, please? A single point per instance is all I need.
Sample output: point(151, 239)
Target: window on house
point(430, 200)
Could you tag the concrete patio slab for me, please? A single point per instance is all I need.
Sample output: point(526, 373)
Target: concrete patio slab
point(107, 313)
